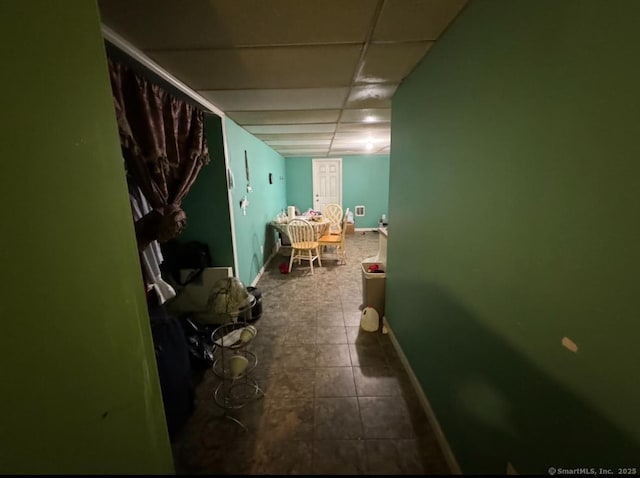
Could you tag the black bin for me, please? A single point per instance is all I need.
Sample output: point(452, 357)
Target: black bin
point(256, 310)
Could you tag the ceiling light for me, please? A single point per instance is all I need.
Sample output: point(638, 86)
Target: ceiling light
point(369, 119)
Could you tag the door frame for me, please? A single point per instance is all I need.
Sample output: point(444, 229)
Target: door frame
point(315, 161)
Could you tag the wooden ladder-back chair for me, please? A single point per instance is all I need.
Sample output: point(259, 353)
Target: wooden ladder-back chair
point(304, 245)
point(333, 212)
point(337, 241)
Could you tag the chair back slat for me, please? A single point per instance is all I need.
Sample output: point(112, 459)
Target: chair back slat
point(304, 245)
point(337, 240)
point(345, 220)
point(343, 232)
point(300, 232)
point(333, 212)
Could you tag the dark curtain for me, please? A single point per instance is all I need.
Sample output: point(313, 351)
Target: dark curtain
point(164, 148)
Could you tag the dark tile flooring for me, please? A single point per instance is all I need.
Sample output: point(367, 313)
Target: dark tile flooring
point(336, 398)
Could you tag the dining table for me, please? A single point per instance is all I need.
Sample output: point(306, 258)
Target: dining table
point(319, 224)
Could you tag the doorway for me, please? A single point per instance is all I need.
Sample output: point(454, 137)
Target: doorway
point(327, 182)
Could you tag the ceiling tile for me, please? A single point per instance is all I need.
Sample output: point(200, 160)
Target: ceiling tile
point(411, 20)
point(317, 152)
point(300, 128)
point(303, 148)
point(286, 117)
point(283, 69)
point(295, 136)
point(277, 99)
point(299, 142)
point(280, 67)
point(348, 151)
point(361, 148)
point(169, 24)
point(366, 115)
point(364, 136)
point(359, 127)
point(371, 96)
point(352, 151)
point(391, 62)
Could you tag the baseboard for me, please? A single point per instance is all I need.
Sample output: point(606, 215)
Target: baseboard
point(435, 425)
point(366, 229)
point(266, 263)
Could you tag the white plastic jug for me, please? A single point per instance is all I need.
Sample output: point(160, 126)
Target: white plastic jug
point(370, 319)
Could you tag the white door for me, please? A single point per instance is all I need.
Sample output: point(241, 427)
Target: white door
point(327, 182)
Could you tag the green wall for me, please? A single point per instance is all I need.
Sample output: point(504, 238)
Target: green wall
point(265, 200)
point(365, 181)
point(518, 138)
point(207, 204)
point(80, 391)
point(299, 182)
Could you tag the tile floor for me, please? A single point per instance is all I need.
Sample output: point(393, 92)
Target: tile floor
point(337, 399)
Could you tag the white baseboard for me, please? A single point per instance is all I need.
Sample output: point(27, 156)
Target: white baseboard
point(266, 263)
point(442, 440)
point(365, 229)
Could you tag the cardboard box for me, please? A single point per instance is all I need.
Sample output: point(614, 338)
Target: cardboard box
point(351, 228)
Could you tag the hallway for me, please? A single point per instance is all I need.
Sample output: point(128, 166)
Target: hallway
point(337, 399)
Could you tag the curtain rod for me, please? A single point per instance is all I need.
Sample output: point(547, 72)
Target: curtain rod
point(136, 54)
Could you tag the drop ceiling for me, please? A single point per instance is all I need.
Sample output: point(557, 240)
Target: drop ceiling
point(308, 77)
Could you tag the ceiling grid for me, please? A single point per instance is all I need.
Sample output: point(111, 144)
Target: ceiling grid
point(310, 78)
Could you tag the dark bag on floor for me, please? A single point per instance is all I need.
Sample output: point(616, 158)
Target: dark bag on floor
point(174, 368)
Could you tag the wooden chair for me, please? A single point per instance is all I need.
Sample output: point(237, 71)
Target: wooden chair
point(304, 245)
point(333, 212)
point(336, 240)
